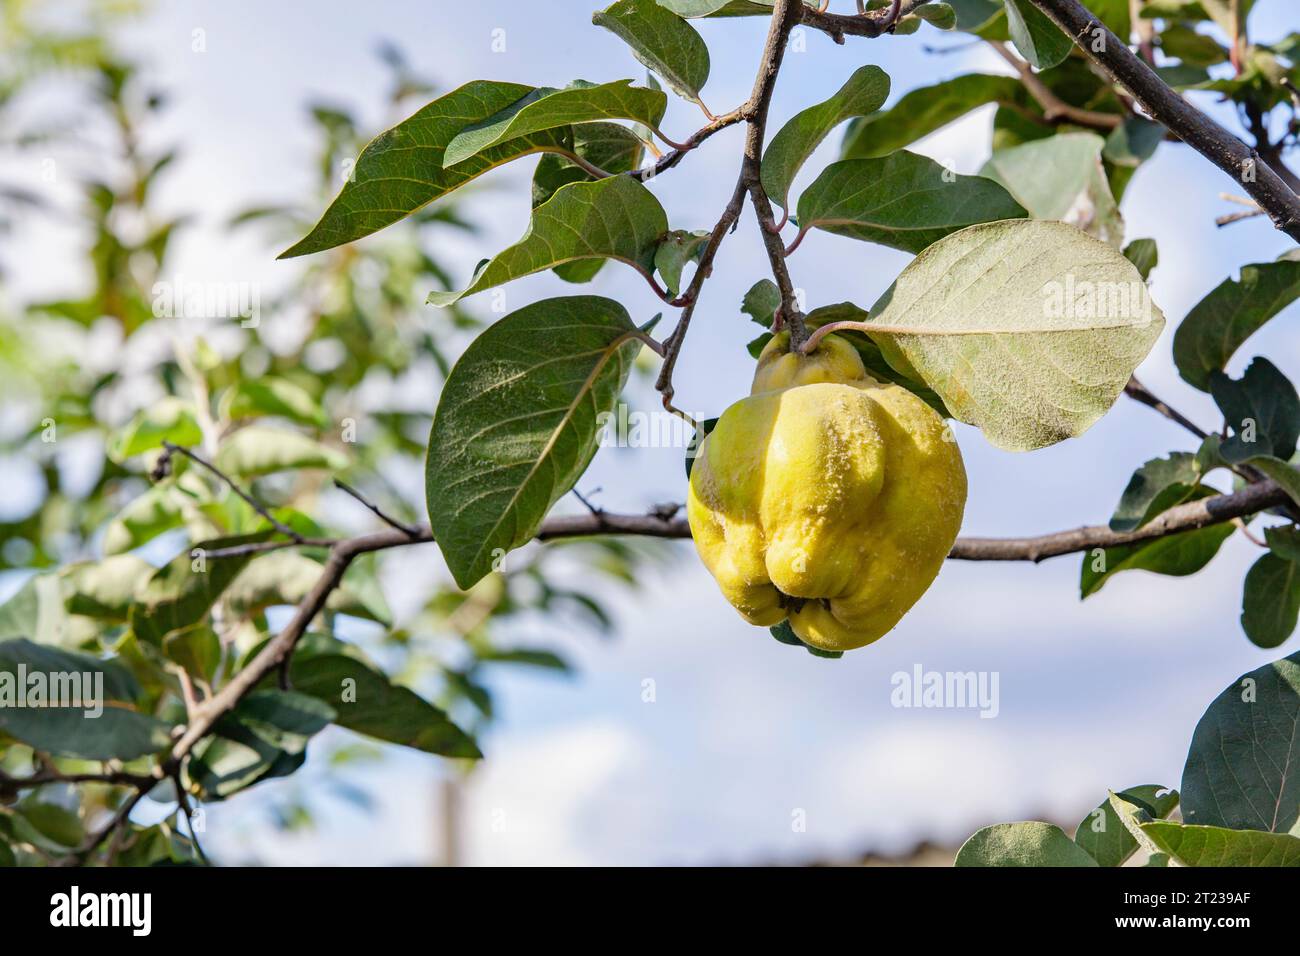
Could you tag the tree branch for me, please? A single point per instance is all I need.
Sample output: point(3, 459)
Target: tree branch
point(1183, 119)
point(785, 16)
point(873, 23)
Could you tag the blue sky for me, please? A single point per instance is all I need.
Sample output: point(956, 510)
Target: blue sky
point(744, 734)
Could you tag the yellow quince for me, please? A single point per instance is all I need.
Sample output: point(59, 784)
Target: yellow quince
point(826, 497)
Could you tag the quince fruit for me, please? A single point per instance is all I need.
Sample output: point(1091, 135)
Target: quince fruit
point(826, 497)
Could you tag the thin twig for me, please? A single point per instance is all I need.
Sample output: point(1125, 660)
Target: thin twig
point(252, 502)
point(409, 529)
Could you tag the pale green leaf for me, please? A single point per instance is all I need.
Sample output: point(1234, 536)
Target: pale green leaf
point(1022, 844)
point(1061, 177)
point(1027, 329)
point(1218, 846)
point(261, 450)
point(169, 419)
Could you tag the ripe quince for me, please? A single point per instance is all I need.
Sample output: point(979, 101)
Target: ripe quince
point(826, 497)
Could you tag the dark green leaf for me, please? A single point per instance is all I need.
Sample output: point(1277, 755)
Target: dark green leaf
point(86, 710)
point(1270, 601)
point(1143, 254)
point(661, 40)
point(614, 218)
point(1103, 834)
point(401, 170)
point(1178, 554)
point(180, 593)
point(922, 111)
point(904, 200)
point(1262, 410)
point(518, 423)
point(365, 701)
point(1151, 481)
point(864, 93)
point(545, 109)
point(1219, 323)
point(1243, 768)
point(1039, 40)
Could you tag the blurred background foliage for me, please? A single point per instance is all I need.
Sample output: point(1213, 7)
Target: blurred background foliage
point(283, 390)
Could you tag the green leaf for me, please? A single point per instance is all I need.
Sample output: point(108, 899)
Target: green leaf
point(1144, 255)
point(693, 449)
point(1178, 554)
point(252, 398)
point(1283, 473)
point(941, 16)
point(1149, 483)
point(607, 146)
point(904, 201)
point(864, 93)
point(518, 423)
point(614, 218)
point(1133, 142)
point(528, 656)
point(262, 450)
point(675, 251)
point(1194, 49)
point(364, 701)
point(1262, 410)
point(1022, 844)
point(1104, 834)
point(1270, 601)
point(1217, 846)
point(107, 588)
point(1243, 767)
point(1039, 40)
point(87, 709)
point(761, 302)
point(401, 170)
point(1219, 323)
point(1027, 329)
point(265, 736)
point(722, 8)
point(160, 508)
point(975, 15)
point(545, 109)
point(183, 591)
point(922, 111)
point(286, 577)
point(168, 419)
point(37, 611)
point(662, 41)
point(1062, 178)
